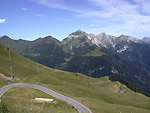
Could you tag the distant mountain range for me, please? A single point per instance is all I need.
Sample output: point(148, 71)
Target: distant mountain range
point(146, 39)
point(94, 55)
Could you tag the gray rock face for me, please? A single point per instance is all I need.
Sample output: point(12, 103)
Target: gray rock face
point(146, 39)
point(101, 40)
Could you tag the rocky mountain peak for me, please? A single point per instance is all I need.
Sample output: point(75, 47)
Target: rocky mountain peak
point(79, 33)
point(46, 39)
point(146, 39)
point(128, 38)
point(101, 34)
point(76, 34)
point(5, 36)
point(101, 39)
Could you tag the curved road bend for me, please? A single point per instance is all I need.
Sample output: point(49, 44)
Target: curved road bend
point(81, 108)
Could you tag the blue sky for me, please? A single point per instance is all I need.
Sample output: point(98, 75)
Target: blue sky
point(30, 19)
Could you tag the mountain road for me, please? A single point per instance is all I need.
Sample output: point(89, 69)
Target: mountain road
point(81, 108)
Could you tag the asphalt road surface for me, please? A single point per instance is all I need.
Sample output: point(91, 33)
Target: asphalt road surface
point(81, 108)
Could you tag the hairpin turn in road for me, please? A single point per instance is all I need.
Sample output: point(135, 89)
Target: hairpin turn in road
point(81, 108)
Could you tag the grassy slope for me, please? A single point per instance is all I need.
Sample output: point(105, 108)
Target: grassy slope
point(100, 95)
point(24, 100)
point(95, 52)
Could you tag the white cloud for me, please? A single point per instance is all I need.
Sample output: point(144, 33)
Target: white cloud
point(55, 4)
point(82, 25)
point(92, 25)
point(144, 5)
point(2, 20)
point(126, 16)
point(67, 20)
point(23, 9)
point(51, 3)
point(39, 15)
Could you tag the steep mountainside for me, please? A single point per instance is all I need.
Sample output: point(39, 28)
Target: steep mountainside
point(125, 56)
point(94, 55)
point(77, 43)
point(43, 50)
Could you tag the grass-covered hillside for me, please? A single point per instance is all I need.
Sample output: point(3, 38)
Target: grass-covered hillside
point(99, 95)
point(25, 103)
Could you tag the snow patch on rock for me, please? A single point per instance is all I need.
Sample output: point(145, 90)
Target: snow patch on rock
point(122, 49)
